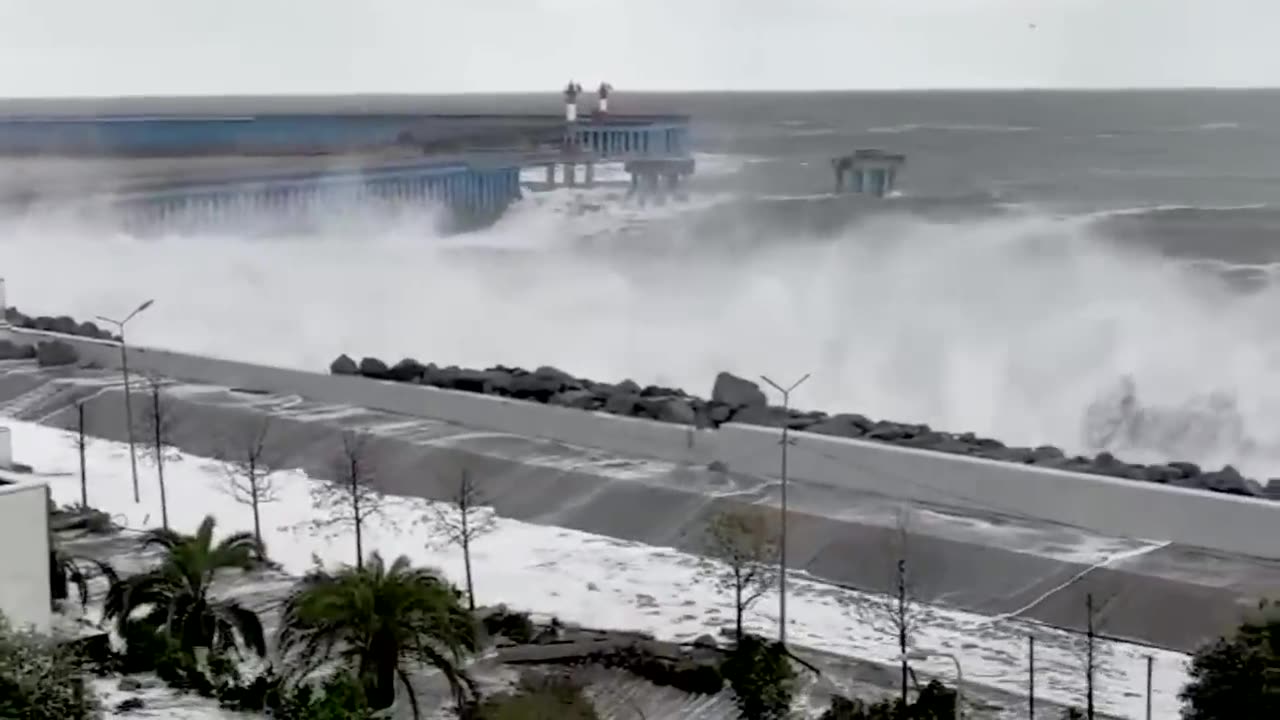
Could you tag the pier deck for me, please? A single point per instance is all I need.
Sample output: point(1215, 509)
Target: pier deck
point(176, 154)
point(56, 178)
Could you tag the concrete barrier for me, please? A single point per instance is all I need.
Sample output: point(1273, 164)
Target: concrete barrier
point(632, 436)
point(1106, 505)
point(1102, 504)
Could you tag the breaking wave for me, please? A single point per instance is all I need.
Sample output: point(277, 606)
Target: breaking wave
point(1016, 324)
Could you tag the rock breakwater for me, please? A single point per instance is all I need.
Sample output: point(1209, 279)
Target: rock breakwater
point(60, 324)
point(736, 399)
point(50, 353)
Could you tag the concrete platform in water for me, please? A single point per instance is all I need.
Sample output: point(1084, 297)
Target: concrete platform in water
point(1169, 596)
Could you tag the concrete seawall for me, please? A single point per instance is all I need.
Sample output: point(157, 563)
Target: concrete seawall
point(1113, 507)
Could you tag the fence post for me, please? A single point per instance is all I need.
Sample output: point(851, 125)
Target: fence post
point(1031, 676)
point(1151, 668)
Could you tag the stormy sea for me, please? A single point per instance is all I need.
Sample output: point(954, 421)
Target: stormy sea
point(1095, 271)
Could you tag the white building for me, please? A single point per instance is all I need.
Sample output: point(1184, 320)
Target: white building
point(24, 545)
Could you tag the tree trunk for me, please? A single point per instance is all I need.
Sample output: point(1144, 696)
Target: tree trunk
point(464, 506)
point(737, 604)
point(902, 625)
point(381, 687)
point(355, 514)
point(80, 445)
point(466, 562)
point(1089, 659)
point(159, 441)
point(253, 496)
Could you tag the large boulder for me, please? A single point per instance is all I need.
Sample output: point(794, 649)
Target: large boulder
point(763, 415)
point(554, 375)
point(344, 365)
point(88, 329)
point(1272, 491)
point(534, 386)
point(620, 403)
point(56, 353)
point(475, 381)
point(407, 370)
point(372, 367)
point(10, 350)
point(1229, 480)
point(65, 325)
point(737, 392)
point(578, 399)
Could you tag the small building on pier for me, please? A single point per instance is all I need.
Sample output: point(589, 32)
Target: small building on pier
point(868, 172)
point(655, 150)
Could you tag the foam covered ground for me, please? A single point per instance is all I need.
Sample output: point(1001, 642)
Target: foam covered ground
point(602, 581)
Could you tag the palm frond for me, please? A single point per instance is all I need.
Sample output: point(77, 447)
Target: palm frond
point(245, 623)
point(166, 538)
point(204, 534)
point(460, 682)
point(239, 550)
point(72, 567)
point(408, 688)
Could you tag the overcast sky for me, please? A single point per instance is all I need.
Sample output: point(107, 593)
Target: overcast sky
point(108, 47)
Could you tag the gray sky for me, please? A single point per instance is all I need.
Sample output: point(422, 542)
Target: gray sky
point(107, 47)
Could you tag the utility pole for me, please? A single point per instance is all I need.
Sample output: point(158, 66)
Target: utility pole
point(1031, 677)
point(128, 403)
point(80, 447)
point(1151, 670)
point(782, 544)
point(1089, 658)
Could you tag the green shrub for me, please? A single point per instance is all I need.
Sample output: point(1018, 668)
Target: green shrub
point(842, 708)
point(340, 697)
point(514, 626)
point(763, 681)
point(538, 698)
point(39, 680)
point(687, 676)
point(1238, 672)
point(935, 702)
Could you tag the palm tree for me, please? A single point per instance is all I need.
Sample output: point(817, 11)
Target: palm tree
point(175, 595)
point(70, 570)
point(379, 622)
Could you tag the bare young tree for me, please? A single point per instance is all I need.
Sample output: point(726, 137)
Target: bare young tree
point(745, 541)
point(898, 614)
point(248, 467)
point(81, 443)
point(349, 499)
point(156, 433)
point(462, 520)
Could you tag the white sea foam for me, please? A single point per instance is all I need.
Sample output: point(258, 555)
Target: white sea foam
point(1009, 327)
point(947, 127)
point(599, 581)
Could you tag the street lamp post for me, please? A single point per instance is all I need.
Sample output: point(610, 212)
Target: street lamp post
point(128, 402)
point(927, 654)
point(782, 544)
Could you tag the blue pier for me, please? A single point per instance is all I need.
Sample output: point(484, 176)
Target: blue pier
point(470, 193)
point(170, 165)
